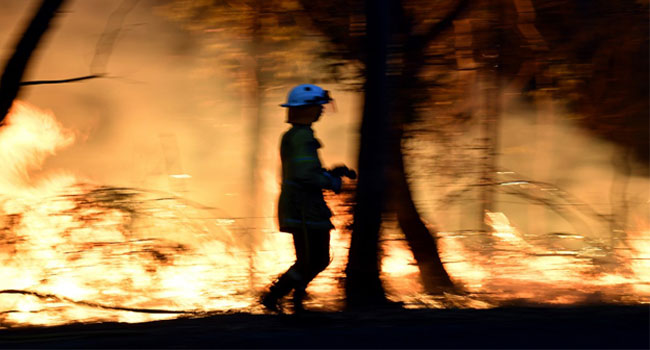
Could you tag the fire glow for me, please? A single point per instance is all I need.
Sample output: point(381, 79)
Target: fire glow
point(517, 270)
point(77, 252)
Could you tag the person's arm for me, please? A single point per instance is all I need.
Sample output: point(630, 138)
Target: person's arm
point(306, 165)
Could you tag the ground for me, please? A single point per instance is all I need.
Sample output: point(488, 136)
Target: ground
point(604, 326)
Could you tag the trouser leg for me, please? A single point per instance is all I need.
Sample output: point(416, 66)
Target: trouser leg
point(281, 287)
point(312, 257)
point(312, 253)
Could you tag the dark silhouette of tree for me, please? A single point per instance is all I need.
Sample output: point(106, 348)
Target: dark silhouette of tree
point(407, 58)
point(14, 70)
point(408, 87)
point(362, 282)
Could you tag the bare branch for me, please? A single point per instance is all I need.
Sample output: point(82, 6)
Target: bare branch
point(109, 36)
point(60, 81)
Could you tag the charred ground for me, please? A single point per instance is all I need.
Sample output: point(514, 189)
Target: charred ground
point(602, 326)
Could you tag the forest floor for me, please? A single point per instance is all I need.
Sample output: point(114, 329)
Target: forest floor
point(601, 326)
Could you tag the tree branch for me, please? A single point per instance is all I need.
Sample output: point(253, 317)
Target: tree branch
point(60, 81)
point(17, 64)
point(108, 38)
point(418, 43)
point(337, 34)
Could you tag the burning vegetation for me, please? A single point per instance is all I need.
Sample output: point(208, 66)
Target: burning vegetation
point(74, 250)
point(79, 252)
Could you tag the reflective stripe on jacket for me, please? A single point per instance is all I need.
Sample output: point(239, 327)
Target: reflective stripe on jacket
point(301, 204)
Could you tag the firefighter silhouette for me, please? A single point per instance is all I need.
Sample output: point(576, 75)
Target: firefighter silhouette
point(302, 210)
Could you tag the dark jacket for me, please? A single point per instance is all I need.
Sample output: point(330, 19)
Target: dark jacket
point(301, 204)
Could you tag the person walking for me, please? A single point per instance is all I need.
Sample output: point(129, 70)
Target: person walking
point(302, 210)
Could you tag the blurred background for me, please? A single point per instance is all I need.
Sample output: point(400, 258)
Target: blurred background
point(523, 130)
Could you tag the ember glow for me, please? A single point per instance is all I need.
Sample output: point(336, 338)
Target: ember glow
point(78, 252)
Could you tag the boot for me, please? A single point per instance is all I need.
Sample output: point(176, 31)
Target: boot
point(298, 297)
point(271, 299)
point(271, 302)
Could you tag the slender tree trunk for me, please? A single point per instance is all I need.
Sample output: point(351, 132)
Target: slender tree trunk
point(363, 285)
point(406, 85)
point(492, 94)
point(421, 241)
point(17, 64)
point(255, 100)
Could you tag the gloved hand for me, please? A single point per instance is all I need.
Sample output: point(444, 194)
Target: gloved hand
point(335, 182)
point(342, 170)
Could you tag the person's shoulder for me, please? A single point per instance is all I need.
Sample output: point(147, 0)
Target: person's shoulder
point(300, 133)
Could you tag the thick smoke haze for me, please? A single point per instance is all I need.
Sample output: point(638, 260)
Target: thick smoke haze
point(580, 182)
point(567, 218)
point(159, 111)
point(162, 111)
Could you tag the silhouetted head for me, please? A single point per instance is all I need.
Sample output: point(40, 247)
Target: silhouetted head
point(304, 115)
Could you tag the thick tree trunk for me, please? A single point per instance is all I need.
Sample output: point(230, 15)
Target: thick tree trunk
point(362, 285)
point(17, 64)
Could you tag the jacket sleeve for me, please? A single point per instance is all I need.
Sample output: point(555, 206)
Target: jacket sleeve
point(305, 164)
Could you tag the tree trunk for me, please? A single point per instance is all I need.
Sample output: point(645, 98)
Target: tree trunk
point(362, 285)
point(17, 64)
point(254, 100)
point(406, 85)
point(422, 243)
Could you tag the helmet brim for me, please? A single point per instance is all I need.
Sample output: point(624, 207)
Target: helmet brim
point(303, 104)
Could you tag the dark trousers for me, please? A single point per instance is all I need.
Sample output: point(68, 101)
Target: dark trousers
point(312, 256)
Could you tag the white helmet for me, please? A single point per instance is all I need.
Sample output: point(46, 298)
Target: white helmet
point(306, 95)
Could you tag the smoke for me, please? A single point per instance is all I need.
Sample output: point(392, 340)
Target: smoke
point(567, 180)
point(161, 109)
point(152, 90)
